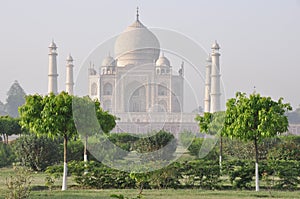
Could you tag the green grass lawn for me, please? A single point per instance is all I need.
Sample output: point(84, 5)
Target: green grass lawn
point(40, 191)
point(162, 194)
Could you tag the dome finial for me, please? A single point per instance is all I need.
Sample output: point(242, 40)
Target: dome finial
point(215, 46)
point(70, 58)
point(52, 44)
point(137, 13)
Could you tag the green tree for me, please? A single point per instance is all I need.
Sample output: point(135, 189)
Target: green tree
point(51, 115)
point(212, 124)
point(84, 110)
point(15, 99)
point(9, 126)
point(255, 118)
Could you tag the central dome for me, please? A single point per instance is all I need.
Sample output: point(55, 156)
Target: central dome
point(136, 45)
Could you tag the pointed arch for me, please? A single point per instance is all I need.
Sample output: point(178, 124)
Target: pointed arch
point(94, 89)
point(107, 89)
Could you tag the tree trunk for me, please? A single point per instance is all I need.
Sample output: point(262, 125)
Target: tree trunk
point(65, 174)
point(221, 152)
point(85, 158)
point(6, 140)
point(256, 166)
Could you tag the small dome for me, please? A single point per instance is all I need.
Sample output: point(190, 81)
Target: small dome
point(162, 61)
point(215, 46)
point(108, 61)
point(52, 45)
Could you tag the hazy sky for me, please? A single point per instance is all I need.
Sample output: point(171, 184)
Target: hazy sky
point(260, 40)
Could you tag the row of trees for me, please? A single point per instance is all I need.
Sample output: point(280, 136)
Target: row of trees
point(52, 115)
point(252, 118)
point(278, 162)
point(279, 167)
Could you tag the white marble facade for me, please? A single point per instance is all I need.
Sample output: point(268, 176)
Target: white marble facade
point(138, 84)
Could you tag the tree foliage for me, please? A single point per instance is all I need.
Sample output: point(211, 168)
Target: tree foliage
point(255, 118)
point(123, 140)
point(163, 143)
point(195, 147)
point(90, 119)
point(9, 126)
point(52, 116)
point(84, 108)
point(211, 123)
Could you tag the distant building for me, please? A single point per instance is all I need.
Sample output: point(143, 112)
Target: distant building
point(294, 129)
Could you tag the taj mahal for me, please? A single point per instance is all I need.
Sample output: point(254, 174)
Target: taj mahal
point(139, 85)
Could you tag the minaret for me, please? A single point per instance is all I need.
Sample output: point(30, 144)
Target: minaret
point(52, 74)
point(215, 95)
point(207, 85)
point(69, 75)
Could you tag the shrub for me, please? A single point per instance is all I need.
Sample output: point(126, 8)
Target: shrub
point(195, 147)
point(167, 177)
point(186, 138)
point(163, 143)
point(287, 149)
point(123, 140)
point(36, 152)
point(202, 173)
point(103, 177)
point(19, 184)
point(98, 176)
point(240, 173)
point(288, 173)
point(7, 156)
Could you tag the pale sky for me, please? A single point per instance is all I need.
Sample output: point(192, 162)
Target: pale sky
point(259, 40)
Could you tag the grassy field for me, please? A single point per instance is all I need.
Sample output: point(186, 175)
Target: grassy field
point(40, 191)
point(161, 194)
